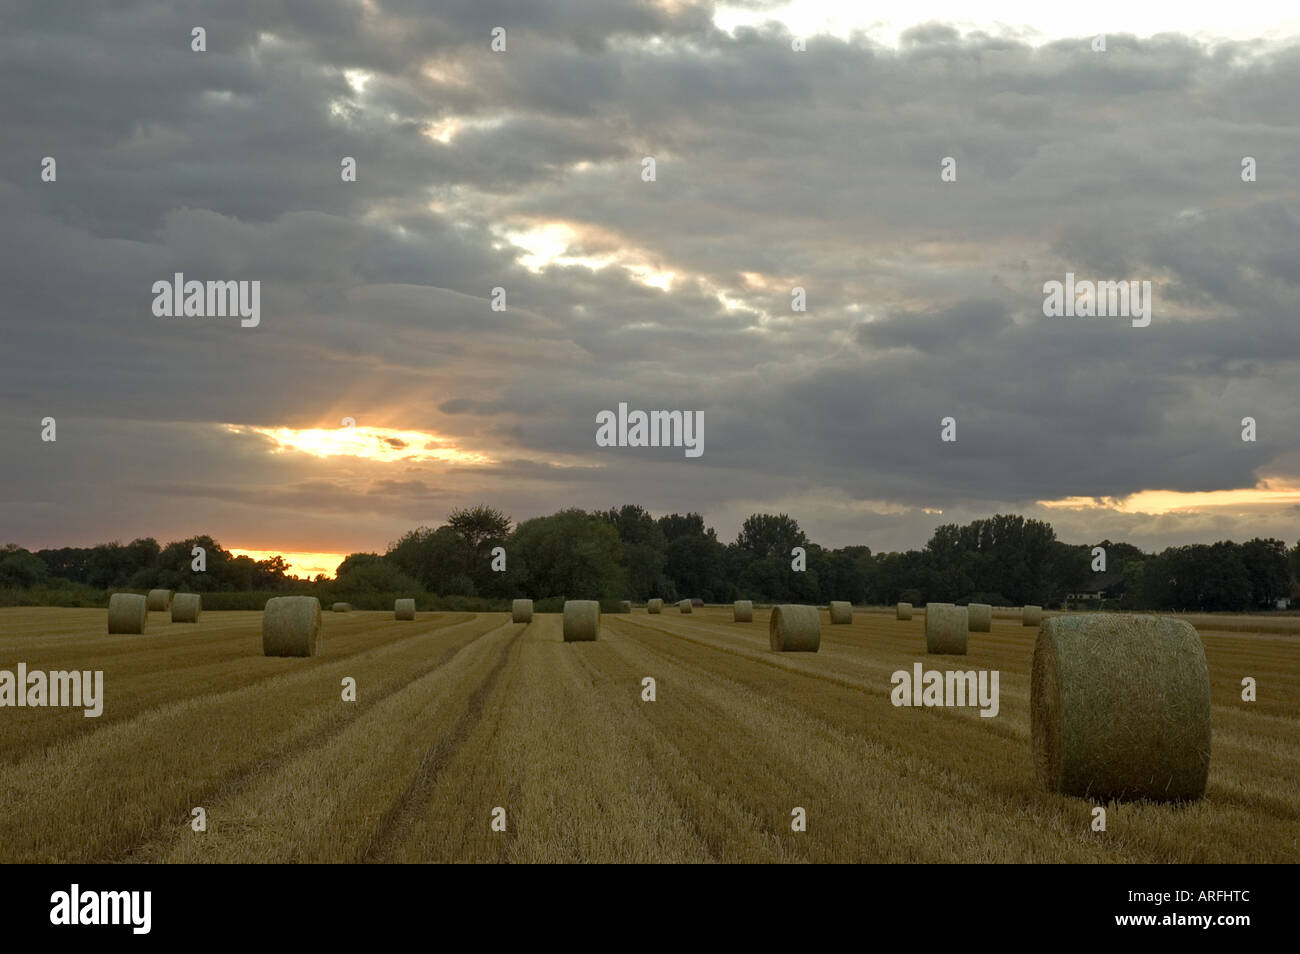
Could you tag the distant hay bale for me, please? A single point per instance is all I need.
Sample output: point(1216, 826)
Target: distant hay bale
point(743, 611)
point(794, 629)
point(341, 608)
point(291, 626)
point(980, 617)
point(127, 613)
point(904, 611)
point(1119, 707)
point(945, 629)
point(1031, 616)
point(625, 606)
point(684, 605)
point(160, 600)
point(581, 620)
point(404, 609)
point(521, 611)
point(841, 612)
point(186, 607)
point(655, 606)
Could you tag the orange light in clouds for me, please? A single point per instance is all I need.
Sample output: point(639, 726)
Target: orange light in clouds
point(369, 443)
point(1167, 501)
point(301, 563)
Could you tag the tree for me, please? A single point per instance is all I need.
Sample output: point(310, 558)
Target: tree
point(481, 528)
point(1268, 569)
point(644, 550)
point(767, 535)
point(570, 554)
point(21, 568)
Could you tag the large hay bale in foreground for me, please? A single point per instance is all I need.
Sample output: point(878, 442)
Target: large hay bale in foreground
point(903, 611)
point(404, 609)
point(743, 611)
point(841, 612)
point(794, 629)
point(127, 613)
point(187, 607)
point(1119, 707)
point(160, 600)
point(1031, 616)
point(684, 606)
point(521, 611)
point(945, 629)
point(341, 607)
point(654, 606)
point(581, 620)
point(291, 626)
point(980, 617)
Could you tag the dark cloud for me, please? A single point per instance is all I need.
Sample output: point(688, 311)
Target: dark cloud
point(774, 169)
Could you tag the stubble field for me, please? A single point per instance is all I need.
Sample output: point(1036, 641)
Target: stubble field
point(458, 714)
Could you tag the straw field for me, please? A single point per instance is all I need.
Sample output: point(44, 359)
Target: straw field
point(457, 714)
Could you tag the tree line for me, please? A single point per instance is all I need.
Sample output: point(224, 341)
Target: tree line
point(625, 553)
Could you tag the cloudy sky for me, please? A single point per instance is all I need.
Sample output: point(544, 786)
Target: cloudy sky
point(522, 169)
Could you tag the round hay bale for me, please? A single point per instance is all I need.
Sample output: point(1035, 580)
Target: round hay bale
point(521, 611)
point(655, 606)
point(291, 626)
point(625, 606)
point(684, 606)
point(743, 611)
point(186, 607)
point(1031, 616)
point(841, 612)
point(581, 620)
point(945, 629)
point(127, 613)
point(904, 611)
point(980, 617)
point(404, 609)
point(341, 608)
point(794, 629)
point(160, 600)
point(1119, 707)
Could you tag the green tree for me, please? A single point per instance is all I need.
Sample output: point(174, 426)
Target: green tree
point(570, 554)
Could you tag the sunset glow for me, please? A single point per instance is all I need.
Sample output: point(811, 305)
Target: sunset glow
point(369, 443)
point(302, 564)
point(1169, 501)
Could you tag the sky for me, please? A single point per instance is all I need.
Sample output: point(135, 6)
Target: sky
point(379, 389)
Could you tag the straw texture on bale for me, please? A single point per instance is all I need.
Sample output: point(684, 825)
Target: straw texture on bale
point(904, 611)
point(945, 629)
point(160, 599)
point(581, 620)
point(291, 626)
point(743, 611)
point(841, 611)
point(684, 605)
point(1031, 616)
point(1119, 707)
point(794, 629)
point(980, 617)
point(655, 606)
point(127, 613)
point(404, 609)
point(521, 611)
point(186, 607)
point(342, 607)
point(625, 606)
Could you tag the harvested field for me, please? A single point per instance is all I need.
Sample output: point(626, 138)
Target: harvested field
point(458, 713)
